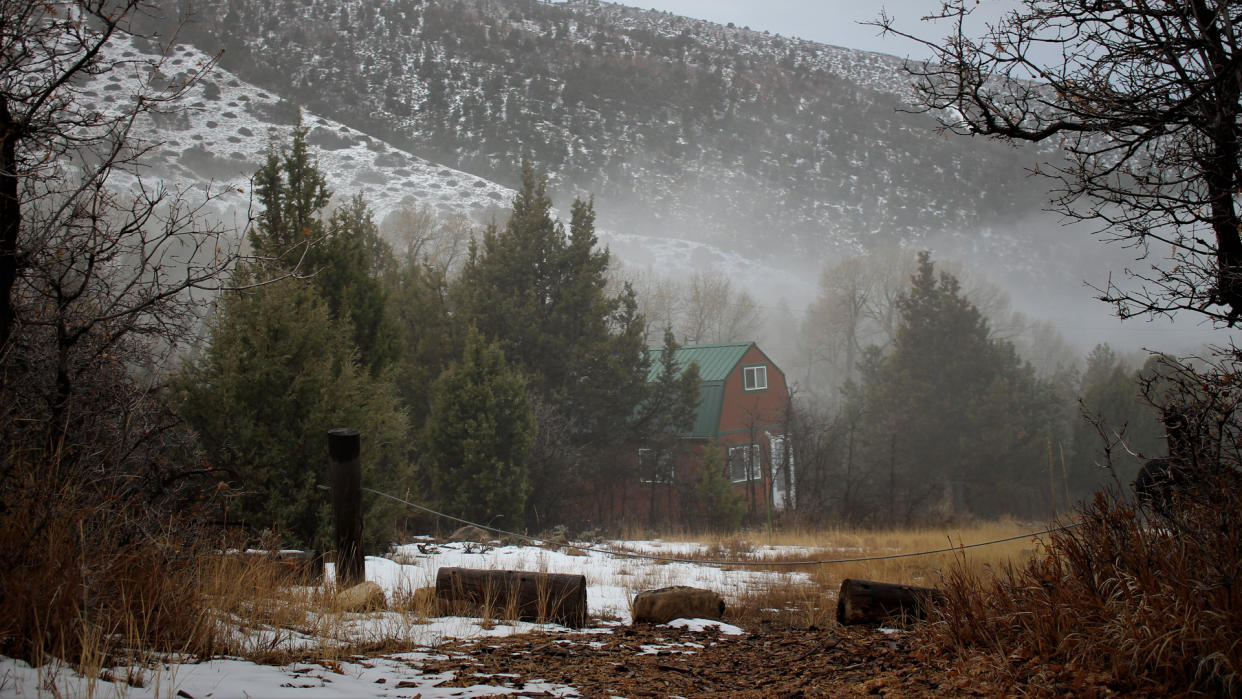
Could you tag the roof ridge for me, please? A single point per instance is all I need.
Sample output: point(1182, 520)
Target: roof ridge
point(745, 343)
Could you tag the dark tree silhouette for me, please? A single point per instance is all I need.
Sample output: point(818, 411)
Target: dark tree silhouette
point(1143, 98)
point(96, 262)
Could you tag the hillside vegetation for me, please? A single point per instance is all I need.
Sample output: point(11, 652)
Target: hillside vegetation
point(678, 126)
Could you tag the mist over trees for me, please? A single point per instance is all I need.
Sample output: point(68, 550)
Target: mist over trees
point(1145, 100)
point(914, 399)
point(166, 385)
point(956, 406)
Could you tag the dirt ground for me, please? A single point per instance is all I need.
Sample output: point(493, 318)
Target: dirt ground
point(645, 661)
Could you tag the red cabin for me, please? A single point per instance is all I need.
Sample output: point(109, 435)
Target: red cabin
point(743, 408)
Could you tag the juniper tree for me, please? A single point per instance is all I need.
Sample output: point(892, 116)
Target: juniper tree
point(541, 292)
point(478, 435)
point(278, 372)
point(951, 416)
point(342, 251)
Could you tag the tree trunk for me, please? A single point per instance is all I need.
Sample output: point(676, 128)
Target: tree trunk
point(869, 602)
point(10, 222)
point(514, 594)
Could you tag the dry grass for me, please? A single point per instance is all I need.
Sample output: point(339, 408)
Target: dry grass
point(810, 601)
point(170, 598)
point(87, 583)
point(1153, 603)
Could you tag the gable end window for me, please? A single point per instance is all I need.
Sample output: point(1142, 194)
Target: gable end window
point(755, 378)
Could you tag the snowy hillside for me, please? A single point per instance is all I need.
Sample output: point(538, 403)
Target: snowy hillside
point(219, 134)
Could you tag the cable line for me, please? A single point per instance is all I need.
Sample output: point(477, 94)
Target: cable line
point(765, 564)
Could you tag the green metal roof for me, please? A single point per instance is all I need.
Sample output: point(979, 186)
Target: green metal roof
point(715, 362)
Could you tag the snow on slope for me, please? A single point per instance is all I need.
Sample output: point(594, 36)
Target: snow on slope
point(222, 136)
point(226, 127)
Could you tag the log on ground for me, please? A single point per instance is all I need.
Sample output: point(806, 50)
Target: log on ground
point(871, 602)
point(513, 594)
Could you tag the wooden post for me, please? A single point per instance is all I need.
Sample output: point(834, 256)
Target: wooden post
point(543, 597)
point(344, 446)
point(870, 602)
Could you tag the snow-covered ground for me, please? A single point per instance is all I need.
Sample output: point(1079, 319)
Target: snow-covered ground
point(612, 581)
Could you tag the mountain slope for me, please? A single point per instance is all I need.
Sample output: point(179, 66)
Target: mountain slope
point(680, 128)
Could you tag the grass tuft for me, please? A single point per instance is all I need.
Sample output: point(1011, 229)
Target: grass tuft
point(1152, 602)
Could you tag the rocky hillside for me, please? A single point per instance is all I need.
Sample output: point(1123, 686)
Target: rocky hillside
point(750, 142)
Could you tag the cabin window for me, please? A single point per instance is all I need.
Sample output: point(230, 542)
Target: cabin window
point(744, 463)
point(655, 466)
point(755, 378)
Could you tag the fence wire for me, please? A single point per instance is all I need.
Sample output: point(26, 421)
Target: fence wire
point(756, 564)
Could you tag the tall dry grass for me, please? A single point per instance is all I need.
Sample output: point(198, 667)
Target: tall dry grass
point(96, 575)
point(809, 599)
point(89, 578)
point(1153, 602)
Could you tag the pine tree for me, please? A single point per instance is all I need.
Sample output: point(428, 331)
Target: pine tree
point(345, 254)
point(953, 419)
point(279, 372)
point(478, 437)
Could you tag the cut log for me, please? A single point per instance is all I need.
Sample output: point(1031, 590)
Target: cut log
point(680, 602)
point(870, 602)
point(513, 594)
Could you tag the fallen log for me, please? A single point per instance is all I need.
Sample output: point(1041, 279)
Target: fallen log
point(871, 602)
point(513, 594)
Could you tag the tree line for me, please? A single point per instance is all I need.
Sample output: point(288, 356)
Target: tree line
point(921, 408)
point(492, 389)
point(501, 375)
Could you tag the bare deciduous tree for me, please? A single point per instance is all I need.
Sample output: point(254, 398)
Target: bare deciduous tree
point(96, 262)
point(1144, 100)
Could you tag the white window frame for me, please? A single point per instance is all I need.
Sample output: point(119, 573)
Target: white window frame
point(665, 472)
point(780, 449)
point(755, 378)
point(750, 466)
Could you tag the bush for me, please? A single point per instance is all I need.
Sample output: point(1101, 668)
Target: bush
point(1145, 594)
point(722, 506)
point(98, 529)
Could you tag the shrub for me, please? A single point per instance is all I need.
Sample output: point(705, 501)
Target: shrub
point(722, 507)
point(1145, 593)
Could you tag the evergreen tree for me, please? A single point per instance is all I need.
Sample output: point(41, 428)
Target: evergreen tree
point(952, 419)
point(279, 372)
point(431, 334)
point(541, 294)
point(666, 415)
point(1116, 419)
point(478, 437)
point(721, 505)
point(292, 192)
point(351, 266)
point(345, 253)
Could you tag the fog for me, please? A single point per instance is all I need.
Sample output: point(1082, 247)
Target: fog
point(1037, 281)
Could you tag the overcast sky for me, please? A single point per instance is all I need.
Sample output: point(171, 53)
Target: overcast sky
point(834, 22)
